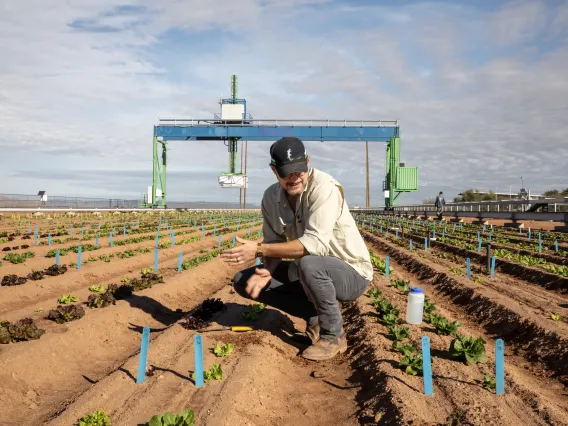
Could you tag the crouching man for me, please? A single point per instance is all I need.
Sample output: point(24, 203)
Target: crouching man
point(313, 254)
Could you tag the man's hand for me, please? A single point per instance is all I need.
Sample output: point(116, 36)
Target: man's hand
point(240, 255)
point(257, 282)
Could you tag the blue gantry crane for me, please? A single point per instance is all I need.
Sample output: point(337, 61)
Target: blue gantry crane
point(234, 123)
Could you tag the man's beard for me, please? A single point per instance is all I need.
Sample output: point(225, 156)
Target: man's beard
point(295, 190)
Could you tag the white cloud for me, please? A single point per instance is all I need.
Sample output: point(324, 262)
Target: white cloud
point(482, 96)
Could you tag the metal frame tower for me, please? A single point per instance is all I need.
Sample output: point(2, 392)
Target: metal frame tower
point(234, 124)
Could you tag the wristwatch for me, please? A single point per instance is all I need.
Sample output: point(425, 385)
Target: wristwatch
point(259, 251)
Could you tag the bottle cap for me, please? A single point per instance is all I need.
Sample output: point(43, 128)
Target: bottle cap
point(416, 290)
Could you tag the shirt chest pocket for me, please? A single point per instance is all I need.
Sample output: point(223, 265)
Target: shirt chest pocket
point(287, 226)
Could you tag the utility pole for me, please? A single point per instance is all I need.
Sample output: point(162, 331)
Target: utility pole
point(368, 197)
point(241, 189)
point(245, 188)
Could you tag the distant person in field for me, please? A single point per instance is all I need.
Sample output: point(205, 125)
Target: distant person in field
point(439, 204)
point(308, 223)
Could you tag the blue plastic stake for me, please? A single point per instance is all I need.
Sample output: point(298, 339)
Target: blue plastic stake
point(29, 229)
point(529, 235)
point(493, 267)
point(387, 266)
point(49, 239)
point(396, 234)
point(434, 234)
point(468, 267)
point(540, 246)
point(111, 243)
point(202, 230)
point(490, 237)
point(173, 241)
point(71, 230)
point(219, 241)
point(454, 230)
point(157, 241)
point(214, 229)
point(410, 245)
point(426, 366)
point(425, 243)
point(198, 347)
point(234, 240)
point(499, 367)
point(483, 229)
point(82, 230)
point(142, 361)
point(180, 260)
point(248, 232)
point(97, 240)
point(57, 257)
point(479, 246)
point(156, 260)
point(124, 230)
point(79, 257)
point(556, 245)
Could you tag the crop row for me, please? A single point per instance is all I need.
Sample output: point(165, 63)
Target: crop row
point(466, 229)
point(461, 347)
point(419, 239)
point(93, 234)
point(20, 258)
point(179, 220)
point(66, 313)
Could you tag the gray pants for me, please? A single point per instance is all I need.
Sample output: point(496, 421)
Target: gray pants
point(324, 281)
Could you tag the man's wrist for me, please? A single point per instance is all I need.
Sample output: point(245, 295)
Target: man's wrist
point(260, 251)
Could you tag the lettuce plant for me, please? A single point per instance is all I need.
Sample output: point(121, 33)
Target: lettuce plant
point(469, 349)
point(98, 418)
point(443, 326)
point(411, 363)
point(183, 418)
point(223, 350)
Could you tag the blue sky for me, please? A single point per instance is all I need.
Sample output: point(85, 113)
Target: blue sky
point(480, 89)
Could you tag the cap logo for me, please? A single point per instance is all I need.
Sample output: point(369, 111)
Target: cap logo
point(289, 154)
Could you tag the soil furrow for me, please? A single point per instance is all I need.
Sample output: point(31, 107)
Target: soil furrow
point(530, 335)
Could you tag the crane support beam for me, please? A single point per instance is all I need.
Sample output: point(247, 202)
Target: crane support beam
point(271, 130)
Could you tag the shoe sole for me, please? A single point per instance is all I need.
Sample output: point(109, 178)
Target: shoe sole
point(342, 349)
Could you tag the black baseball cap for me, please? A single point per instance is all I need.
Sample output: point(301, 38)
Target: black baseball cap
point(288, 155)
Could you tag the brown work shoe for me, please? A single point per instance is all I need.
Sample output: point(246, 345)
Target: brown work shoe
point(310, 336)
point(325, 349)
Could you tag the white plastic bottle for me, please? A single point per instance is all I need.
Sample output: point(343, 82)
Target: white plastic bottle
point(415, 306)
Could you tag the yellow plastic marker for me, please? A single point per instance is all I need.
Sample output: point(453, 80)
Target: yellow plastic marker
point(240, 328)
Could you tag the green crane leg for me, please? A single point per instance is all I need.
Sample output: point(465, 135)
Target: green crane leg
point(393, 150)
point(163, 177)
point(154, 172)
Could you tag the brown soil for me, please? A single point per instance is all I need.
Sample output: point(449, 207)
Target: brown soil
point(533, 224)
point(533, 334)
point(91, 363)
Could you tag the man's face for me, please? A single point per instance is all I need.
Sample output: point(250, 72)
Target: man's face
point(294, 183)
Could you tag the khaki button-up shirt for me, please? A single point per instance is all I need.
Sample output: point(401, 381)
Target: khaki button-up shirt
point(322, 222)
